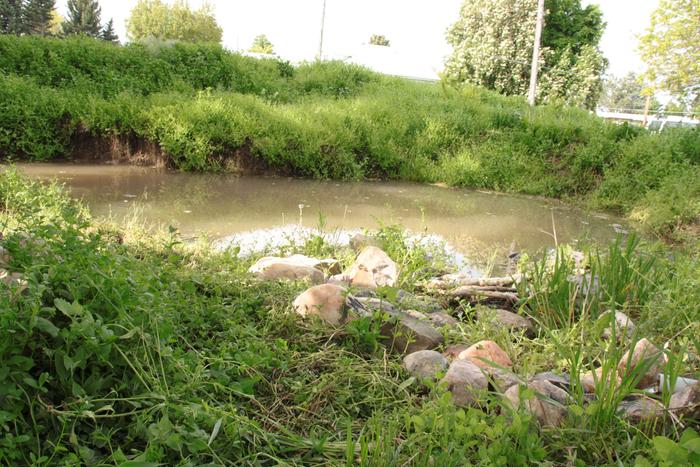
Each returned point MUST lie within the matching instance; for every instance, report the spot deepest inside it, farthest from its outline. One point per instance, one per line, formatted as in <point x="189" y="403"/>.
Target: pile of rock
<point x="413" y="322"/>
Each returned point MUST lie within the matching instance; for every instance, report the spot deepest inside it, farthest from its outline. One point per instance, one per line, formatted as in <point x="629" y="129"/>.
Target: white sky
<point x="416" y="29"/>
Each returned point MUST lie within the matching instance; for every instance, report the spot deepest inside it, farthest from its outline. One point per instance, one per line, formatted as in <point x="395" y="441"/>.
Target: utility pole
<point x="323" y="23"/>
<point x="536" y="53"/>
<point x="647" y="105"/>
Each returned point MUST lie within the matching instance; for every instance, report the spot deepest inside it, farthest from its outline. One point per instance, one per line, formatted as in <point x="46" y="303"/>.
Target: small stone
<point x="373" y="268"/>
<point x="644" y="351"/>
<point x="295" y="267"/>
<point x="502" y="379"/>
<point x="507" y="319"/>
<point x="547" y="405"/>
<point x="486" y="353"/>
<point x="327" y="301"/>
<point x="686" y="402"/>
<point x="588" y="380"/>
<point x="621" y="323"/>
<point x="4" y="257"/>
<point x="425" y="364"/>
<point x="466" y="382"/>
<point x="405" y="334"/>
<point x="640" y="409"/>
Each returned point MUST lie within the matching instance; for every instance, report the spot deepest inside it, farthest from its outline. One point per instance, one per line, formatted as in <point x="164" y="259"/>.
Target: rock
<point x="465" y="381"/>
<point x="588" y="286"/>
<point x="359" y="241"/>
<point x="376" y="304"/>
<point x="405" y="334"/>
<point x="644" y="353"/>
<point x="507" y="319"/>
<point x="486" y="353"/>
<point x="640" y="409"/>
<point x="453" y="351"/>
<point x="327" y="301"/>
<point x="621" y="323"/>
<point x="561" y="381"/>
<point x="547" y="405"/>
<point x="292" y="268"/>
<point x="442" y="319"/>
<point x="416" y="314"/>
<point x="4" y="257"/>
<point x="588" y="380"/>
<point x="502" y="379"/>
<point x="423" y="303"/>
<point x="373" y="268"/>
<point x="425" y="364"/>
<point x="686" y="402"/>
<point x="13" y="279"/>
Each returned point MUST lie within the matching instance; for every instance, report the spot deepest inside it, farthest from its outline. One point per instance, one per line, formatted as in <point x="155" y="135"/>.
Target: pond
<point x="222" y="205"/>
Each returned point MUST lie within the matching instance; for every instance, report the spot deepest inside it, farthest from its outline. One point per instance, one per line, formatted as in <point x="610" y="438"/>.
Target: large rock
<point x="485" y="354"/>
<point x="425" y="364"/>
<point x="621" y="325"/>
<point x="405" y="334"/>
<point x="644" y="355"/>
<point x="327" y="301"/>
<point x="292" y="268"/>
<point x="640" y="409"/>
<point x="686" y="401"/>
<point x="466" y="382"/>
<point x="547" y="405"/>
<point x="376" y="304"/>
<point x="561" y="381"/>
<point x="373" y="268"/>
<point x="593" y="379"/>
<point x="506" y="319"/>
<point x="442" y="319"/>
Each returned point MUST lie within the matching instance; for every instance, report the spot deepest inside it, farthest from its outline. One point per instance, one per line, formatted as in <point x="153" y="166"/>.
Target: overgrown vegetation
<point x="127" y="346"/>
<point x="205" y="107"/>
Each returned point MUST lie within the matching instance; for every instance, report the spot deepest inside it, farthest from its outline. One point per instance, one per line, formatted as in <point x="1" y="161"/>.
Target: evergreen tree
<point x="37" y="16"/>
<point x="83" y="18"/>
<point x="11" y="16"/>
<point x="108" y="32"/>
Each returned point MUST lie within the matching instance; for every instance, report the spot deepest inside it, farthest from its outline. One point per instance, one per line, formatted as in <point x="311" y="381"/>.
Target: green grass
<point x="204" y="106"/>
<point x="133" y="346"/>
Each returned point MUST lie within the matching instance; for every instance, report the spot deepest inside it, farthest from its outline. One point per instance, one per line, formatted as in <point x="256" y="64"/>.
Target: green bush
<point x="204" y="106"/>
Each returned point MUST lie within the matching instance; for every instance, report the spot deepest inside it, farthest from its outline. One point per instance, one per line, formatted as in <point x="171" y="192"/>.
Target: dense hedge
<point x="201" y="104"/>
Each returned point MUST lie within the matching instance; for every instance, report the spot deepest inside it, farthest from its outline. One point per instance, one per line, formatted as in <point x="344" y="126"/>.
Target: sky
<point x="416" y="29"/>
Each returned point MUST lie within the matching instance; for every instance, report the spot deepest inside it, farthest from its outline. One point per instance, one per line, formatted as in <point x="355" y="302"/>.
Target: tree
<point x="37" y="16"/>
<point x="261" y="45"/>
<point x="493" y="41"/>
<point x="570" y="26"/>
<point x="83" y="18"/>
<point x="156" y="19"/>
<point x="378" y="39"/>
<point x="56" y="23"/>
<point x="11" y="16"/>
<point x="108" y="33"/>
<point x="671" y="48"/>
<point x="625" y="94"/>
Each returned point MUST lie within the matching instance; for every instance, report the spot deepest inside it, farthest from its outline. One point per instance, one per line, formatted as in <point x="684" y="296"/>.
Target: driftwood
<point x="482" y="292"/>
<point x="449" y="281"/>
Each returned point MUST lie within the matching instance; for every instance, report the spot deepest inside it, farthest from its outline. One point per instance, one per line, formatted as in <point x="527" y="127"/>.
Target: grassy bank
<point x="128" y="346"/>
<point x="207" y="108"/>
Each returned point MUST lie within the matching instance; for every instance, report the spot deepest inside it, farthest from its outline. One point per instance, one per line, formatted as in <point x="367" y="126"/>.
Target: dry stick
<point x="450" y="280"/>
<point x="467" y="291"/>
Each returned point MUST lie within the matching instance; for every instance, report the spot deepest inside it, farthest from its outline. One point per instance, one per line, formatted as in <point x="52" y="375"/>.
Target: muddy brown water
<point x="222" y="205"/>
